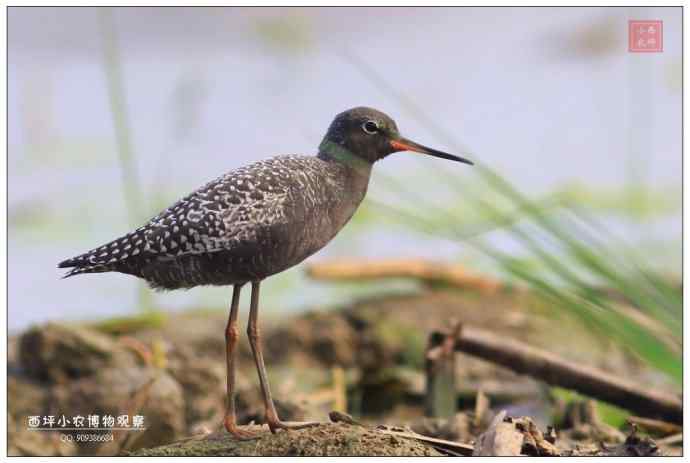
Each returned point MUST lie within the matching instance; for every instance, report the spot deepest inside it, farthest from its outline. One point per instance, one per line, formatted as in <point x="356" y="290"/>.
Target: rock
<point x="508" y="436"/>
<point x="535" y="443"/>
<point x="30" y="398"/>
<point x="144" y="391"/>
<point x="327" y="439"/>
<point x="328" y="339"/>
<point x="501" y="439"/>
<point x="58" y="353"/>
<point x="195" y="335"/>
<point x="22" y="442"/>
<point x="203" y="383"/>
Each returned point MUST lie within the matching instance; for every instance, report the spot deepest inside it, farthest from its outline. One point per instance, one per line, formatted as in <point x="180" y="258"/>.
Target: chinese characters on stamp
<point x="645" y="36"/>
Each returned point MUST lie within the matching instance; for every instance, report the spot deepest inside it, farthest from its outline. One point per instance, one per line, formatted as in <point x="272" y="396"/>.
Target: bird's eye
<point x="370" y="127"/>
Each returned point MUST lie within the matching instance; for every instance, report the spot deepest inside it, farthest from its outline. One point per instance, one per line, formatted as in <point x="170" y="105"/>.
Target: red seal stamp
<point x="645" y="36"/>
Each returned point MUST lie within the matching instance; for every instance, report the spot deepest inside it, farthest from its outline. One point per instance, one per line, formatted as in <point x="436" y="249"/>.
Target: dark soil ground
<point x="328" y="439"/>
<point x="366" y="359"/>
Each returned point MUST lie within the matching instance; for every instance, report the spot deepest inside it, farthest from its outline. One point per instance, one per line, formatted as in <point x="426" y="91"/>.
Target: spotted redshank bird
<point x="254" y="222"/>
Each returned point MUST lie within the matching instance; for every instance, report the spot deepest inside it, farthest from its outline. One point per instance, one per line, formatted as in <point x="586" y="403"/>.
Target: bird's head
<point x="370" y="135"/>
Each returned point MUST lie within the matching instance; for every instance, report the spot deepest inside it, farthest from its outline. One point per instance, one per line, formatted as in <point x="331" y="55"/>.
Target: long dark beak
<point x="403" y="144"/>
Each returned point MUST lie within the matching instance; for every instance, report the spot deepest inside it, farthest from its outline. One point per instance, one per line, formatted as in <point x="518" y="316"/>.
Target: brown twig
<point x="339" y="389"/>
<point x="671" y="440"/>
<point x="442" y="445"/>
<point x="557" y="371"/>
<point x="658" y="427"/>
<point x="482" y="405"/>
<point x="419" y="269"/>
<point x="441" y="390"/>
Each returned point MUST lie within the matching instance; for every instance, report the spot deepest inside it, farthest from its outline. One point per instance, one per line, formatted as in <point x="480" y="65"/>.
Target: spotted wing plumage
<point x="191" y="242"/>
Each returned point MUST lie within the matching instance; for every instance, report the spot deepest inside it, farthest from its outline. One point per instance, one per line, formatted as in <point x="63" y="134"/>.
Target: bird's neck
<point x="332" y="152"/>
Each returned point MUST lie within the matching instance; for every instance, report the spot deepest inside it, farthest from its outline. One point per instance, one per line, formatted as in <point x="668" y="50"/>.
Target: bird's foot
<point x="241" y="432"/>
<point x="275" y="425"/>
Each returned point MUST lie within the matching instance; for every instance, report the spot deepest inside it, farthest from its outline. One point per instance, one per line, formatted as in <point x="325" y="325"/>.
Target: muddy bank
<point x="328" y="439"/>
<point x="366" y="359"/>
<point x="505" y="437"/>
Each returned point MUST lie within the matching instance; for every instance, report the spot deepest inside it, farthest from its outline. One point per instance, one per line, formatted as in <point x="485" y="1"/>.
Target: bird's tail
<point x="85" y="263"/>
<point x="106" y="258"/>
<point x="79" y="269"/>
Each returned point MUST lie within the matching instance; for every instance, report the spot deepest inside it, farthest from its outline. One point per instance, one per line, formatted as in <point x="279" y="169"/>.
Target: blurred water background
<point x="548" y="97"/>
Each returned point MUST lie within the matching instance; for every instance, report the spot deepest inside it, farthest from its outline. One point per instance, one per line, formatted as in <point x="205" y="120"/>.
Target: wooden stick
<point x="555" y="370"/>
<point x="441" y="445"/>
<point x="658" y="427"/>
<point x="419" y="269"/>
<point x="671" y="440"/>
<point x="441" y="392"/>
<point x="339" y="389"/>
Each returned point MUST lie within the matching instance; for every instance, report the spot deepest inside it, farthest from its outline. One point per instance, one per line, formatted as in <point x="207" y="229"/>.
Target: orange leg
<point x="231" y="338"/>
<point x="274" y="423"/>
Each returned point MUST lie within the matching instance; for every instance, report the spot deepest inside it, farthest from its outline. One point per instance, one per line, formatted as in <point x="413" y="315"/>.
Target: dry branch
<point x="442" y="445"/>
<point x="419" y="269"/>
<point x="557" y="371"/>
<point x="441" y="390"/>
<point x="658" y="427"/>
<point x="671" y="440"/>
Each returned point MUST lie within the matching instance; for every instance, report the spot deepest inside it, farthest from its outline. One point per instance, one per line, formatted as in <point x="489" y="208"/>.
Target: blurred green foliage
<point x="568" y="250"/>
<point x="609" y="414"/>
